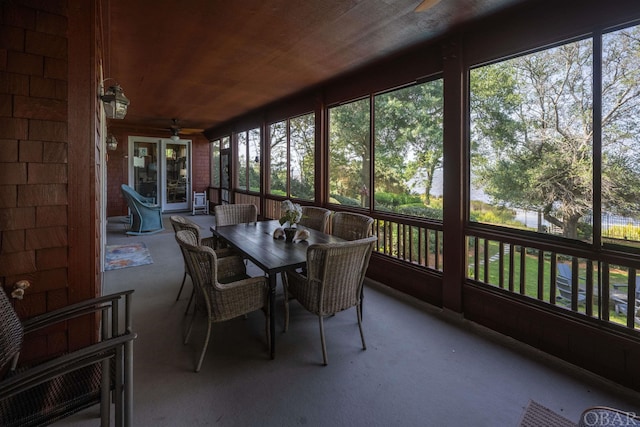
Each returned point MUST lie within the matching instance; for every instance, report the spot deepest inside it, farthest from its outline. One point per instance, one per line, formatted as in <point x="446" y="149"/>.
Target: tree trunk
<point x="570" y="229"/>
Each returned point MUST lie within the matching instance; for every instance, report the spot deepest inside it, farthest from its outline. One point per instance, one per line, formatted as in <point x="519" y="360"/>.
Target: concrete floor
<point x="421" y="367"/>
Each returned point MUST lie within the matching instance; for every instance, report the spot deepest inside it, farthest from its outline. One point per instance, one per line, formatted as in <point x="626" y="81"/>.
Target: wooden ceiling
<point x="207" y="61"/>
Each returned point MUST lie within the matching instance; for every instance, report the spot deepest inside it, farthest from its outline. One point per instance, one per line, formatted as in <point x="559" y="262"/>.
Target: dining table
<point x="256" y="242"/>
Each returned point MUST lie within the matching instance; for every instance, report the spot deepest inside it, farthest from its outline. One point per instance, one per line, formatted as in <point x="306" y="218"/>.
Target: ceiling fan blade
<point x="190" y="131"/>
<point x="176" y="129"/>
<point x="426" y="5"/>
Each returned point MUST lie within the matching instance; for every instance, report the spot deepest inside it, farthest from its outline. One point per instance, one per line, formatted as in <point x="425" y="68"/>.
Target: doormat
<point x="537" y="415"/>
<point x="123" y="256"/>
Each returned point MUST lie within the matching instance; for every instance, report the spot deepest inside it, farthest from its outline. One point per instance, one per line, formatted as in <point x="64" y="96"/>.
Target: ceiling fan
<point x="176" y="130"/>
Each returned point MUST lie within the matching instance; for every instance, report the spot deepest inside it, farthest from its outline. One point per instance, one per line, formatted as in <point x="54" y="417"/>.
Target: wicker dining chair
<point x="334" y="280"/>
<point x="224" y="291"/>
<point x="351" y="226"/>
<point x="233" y="214"/>
<point x="315" y="217"/>
<point x="312" y="217"/>
<point x="181" y="223"/>
<point x="53" y="389"/>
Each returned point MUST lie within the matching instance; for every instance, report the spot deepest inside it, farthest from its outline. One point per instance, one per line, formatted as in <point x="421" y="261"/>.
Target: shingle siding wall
<point x="33" y="152"/>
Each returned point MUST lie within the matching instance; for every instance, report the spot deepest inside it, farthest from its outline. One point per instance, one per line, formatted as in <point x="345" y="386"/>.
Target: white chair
<point x="200" y="203"/>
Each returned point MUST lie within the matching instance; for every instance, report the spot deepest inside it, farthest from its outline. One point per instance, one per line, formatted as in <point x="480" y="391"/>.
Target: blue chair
<point x="564" y="284"/>
<point x="619" y="299"/>
<point x="146" y="216"/>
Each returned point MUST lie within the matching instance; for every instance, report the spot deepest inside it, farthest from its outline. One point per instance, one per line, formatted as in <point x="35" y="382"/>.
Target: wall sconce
<point x="115" y="103"/>
<point x="112" y="143"/>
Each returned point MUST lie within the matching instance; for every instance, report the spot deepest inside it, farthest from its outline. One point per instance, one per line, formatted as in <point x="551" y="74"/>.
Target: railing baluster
<point x="421" y="241"/>
<point x="396" y="243"/>
<point x="523" y="269"/>
<point x="631" y="298"/>
<point x="437" y="250"/>
<point x="589" y="290"/>
<point x="511" y="264"/>
<point x="486" y="260"/>
<point x="603" y="306"/>
<point x="404" y="241"/>
<point x="476" y="258"/>
<point x="501" y="265"/>
<point x="574" y="284"/>
<point x="427" y="243"/>
<point x="552" y="279"/>
<point x="385" y="237"/>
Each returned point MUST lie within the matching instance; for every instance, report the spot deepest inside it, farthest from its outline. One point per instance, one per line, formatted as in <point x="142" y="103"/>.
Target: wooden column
<point x="454" y="167"/>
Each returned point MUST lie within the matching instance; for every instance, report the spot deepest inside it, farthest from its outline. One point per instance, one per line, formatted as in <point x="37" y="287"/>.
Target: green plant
<point x="343" y="200"/>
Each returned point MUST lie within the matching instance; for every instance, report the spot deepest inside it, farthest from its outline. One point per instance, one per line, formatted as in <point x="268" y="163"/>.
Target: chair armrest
<point x="151" y="200"/>
<point x="250" y="281"/>
<point x="74" y="310"/>
<point x="294" y="276"/>
<point x="149" y="206"/>
<point x="209" y="242"/>
<point x="78" y="359"/>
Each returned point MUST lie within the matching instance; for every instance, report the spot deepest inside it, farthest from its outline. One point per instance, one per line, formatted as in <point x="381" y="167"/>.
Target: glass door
<point x="177" y="182"/>
<point x="161" y="169"/>
<point x="145" y="167"/>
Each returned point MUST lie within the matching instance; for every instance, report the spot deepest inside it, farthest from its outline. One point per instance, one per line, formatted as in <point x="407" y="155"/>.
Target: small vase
<point x="289" y="232"/>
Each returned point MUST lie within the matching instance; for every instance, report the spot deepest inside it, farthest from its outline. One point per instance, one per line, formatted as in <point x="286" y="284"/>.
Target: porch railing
<point x="571" y="278"/>
<point x="403" y="239"/>
<point x="576" y="282"/>
<point x="415" y="243"/>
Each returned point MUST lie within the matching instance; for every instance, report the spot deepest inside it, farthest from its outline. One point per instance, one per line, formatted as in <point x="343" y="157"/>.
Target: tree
<point x="350" y="160"/>
<point x="409" y="134"/>
<point x="277" y="171"/>
<point x="532" y="130"/>
<point x="302" y="152"/>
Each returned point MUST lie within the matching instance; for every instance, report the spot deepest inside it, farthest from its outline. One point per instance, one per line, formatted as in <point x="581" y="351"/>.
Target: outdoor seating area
<point x="199" y="251"/>
<point x="329" y="266"/>
<point x="237" y="373"/>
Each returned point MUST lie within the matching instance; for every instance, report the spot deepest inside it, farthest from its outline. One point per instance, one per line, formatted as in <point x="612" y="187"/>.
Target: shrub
<point x="420" y="210"/>
<point x="343" y="200"/>
<point x="626" y="232"/>
<point x="388" y="200"/>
